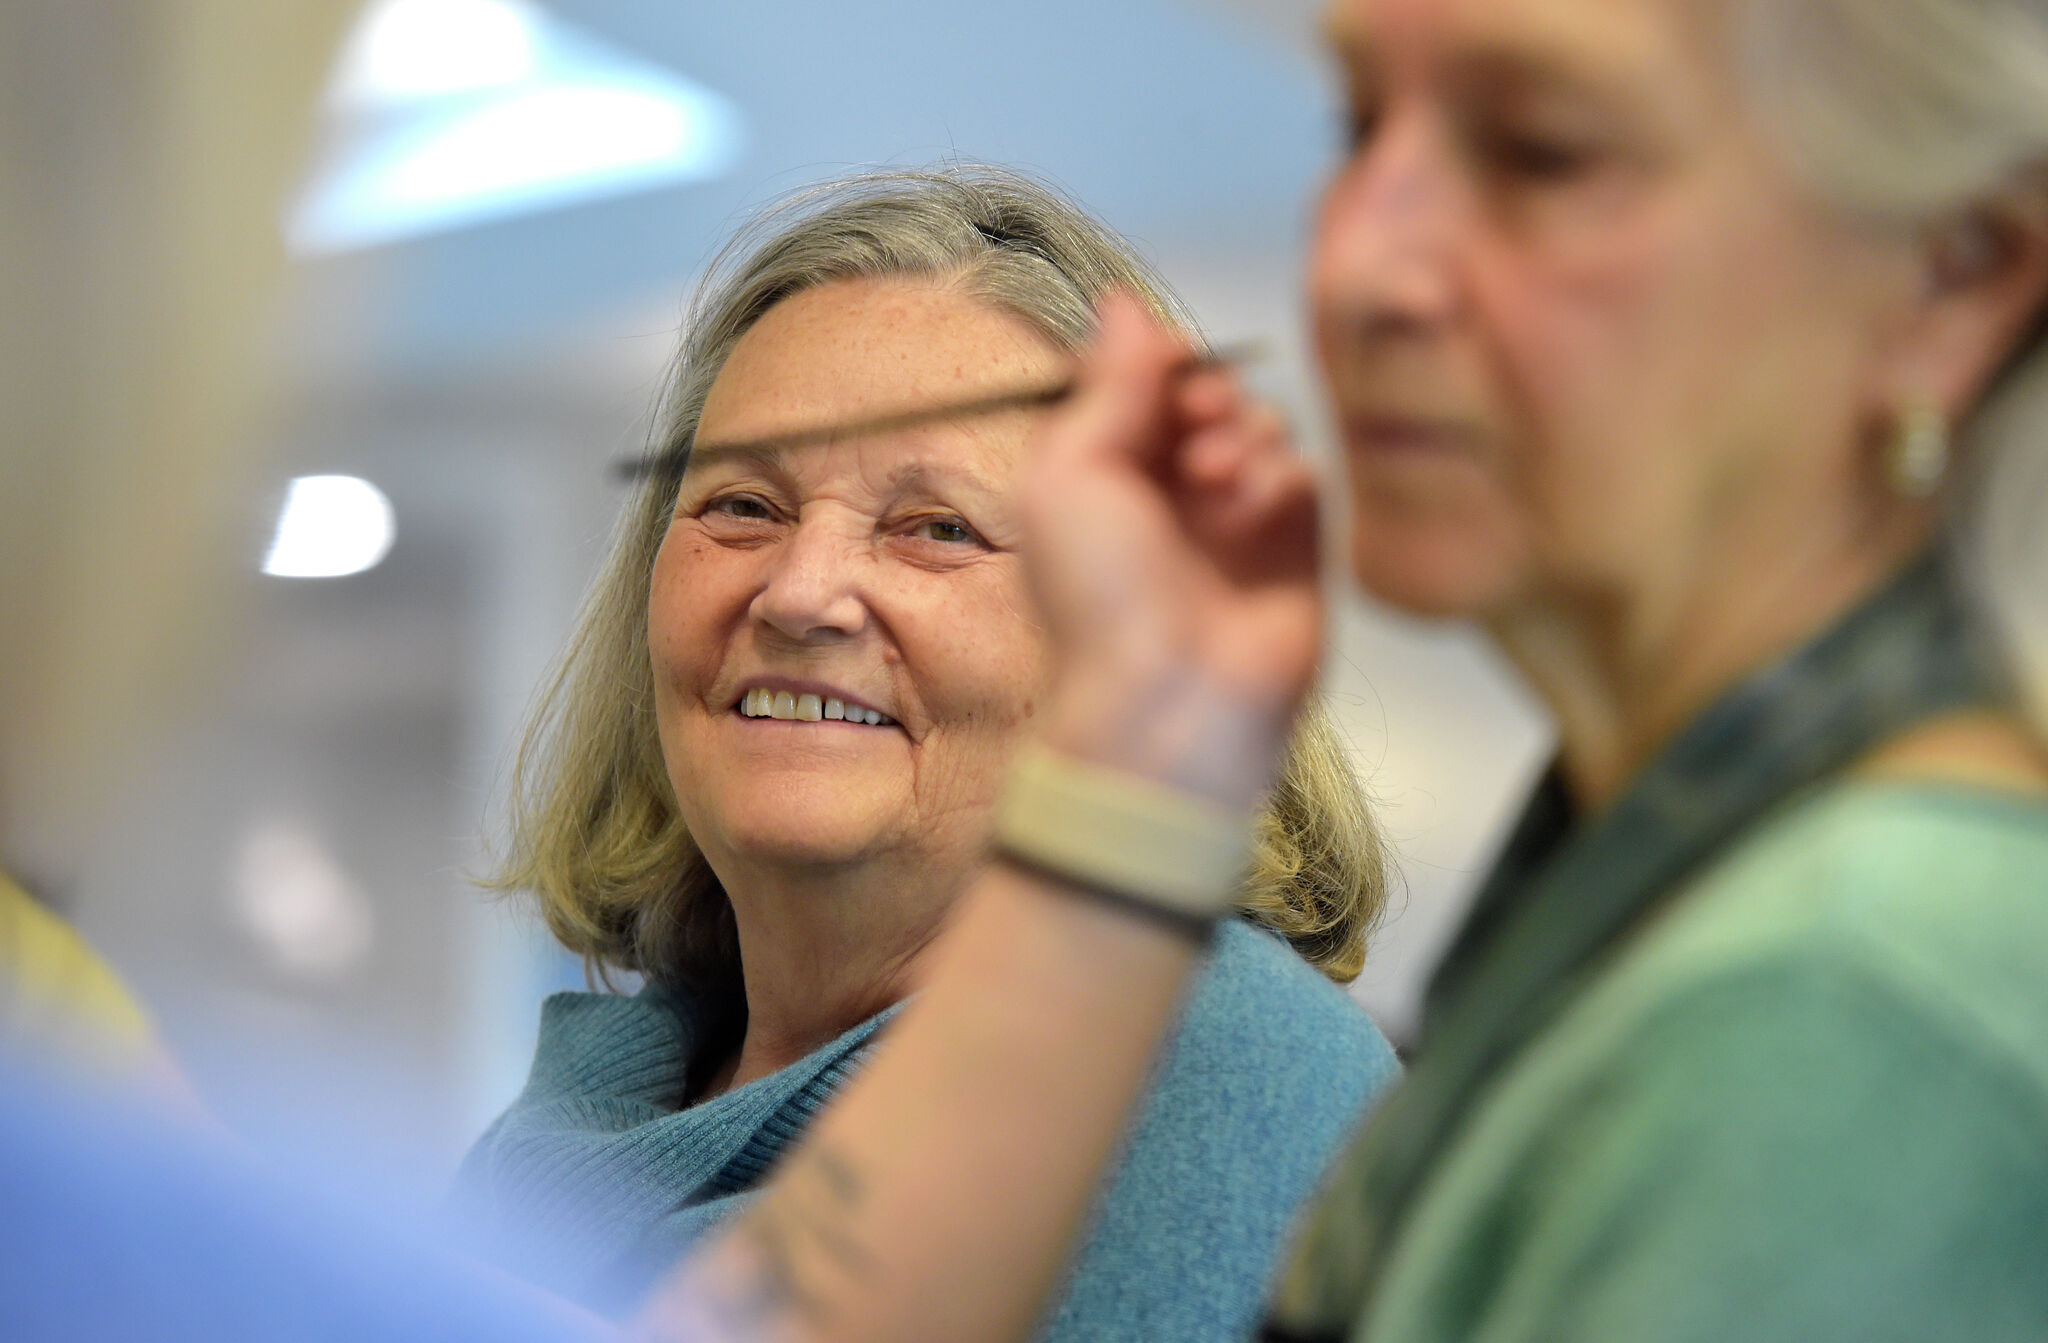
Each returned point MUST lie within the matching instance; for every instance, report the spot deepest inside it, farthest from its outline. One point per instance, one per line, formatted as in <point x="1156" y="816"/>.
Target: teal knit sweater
<point x="593" y="1181"/>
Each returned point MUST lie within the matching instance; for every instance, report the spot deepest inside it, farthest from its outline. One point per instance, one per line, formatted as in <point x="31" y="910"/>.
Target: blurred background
<point x="490" y="250"/>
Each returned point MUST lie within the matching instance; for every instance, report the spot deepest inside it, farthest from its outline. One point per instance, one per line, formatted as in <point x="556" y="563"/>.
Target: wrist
<point x="1129" y="839"/>
<point x="1173" y="727"/>
<point x="1194" y="928"/>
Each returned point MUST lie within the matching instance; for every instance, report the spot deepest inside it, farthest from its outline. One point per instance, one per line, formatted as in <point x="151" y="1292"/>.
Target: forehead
<point x="858" y="348"/>
<point x="1658" y="38"/>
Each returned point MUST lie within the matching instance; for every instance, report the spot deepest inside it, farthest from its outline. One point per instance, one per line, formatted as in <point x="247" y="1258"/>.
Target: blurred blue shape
<point x="454" y="112"/>
<point x="115" y="1226"/>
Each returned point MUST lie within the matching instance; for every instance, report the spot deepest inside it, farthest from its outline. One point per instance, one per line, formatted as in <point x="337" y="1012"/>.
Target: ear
<point x="1984" y="285"/>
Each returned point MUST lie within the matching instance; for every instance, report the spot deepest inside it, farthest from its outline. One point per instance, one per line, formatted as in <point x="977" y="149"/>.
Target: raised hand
<point x="1171" y="542"/>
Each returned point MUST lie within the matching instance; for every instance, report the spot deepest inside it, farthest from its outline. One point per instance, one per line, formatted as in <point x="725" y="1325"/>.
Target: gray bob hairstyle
<point x="595" y="833"/>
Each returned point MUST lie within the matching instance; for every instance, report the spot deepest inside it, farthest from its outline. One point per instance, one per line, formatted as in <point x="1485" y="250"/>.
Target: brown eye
<point x="738" y="506"/>
<point x="948" y="529"/>
<point x="736" y="516"/>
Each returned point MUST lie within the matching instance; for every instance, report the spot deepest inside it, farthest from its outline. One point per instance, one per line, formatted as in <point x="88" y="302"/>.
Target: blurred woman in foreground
<point x="770" y="763"/>
<point x="1668" y="340"/>
<point x="1696" y="350"/>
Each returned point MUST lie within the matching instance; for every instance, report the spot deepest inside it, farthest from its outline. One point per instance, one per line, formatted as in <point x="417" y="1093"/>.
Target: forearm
<point x="941" y="1194"/>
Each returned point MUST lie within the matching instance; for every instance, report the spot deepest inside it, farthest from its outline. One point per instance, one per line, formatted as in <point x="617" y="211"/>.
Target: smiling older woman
<point x="769" y="768"/>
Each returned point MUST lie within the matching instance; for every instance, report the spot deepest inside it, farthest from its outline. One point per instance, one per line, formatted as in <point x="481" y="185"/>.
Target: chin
<point x="1431" y="570"/>
<point x="805" y="837"/>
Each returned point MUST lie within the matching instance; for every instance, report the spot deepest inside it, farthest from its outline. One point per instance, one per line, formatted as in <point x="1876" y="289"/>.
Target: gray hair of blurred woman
<point x="595" y="833"/>
<point x="1913" y="114"/>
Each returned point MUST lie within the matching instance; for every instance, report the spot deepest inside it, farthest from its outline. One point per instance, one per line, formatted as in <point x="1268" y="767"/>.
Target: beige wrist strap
<point x="1123" y="835"/>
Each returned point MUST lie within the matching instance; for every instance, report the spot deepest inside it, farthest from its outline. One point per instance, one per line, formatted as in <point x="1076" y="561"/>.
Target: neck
<point x="824" y="948"/>
<point x="1625" y="671"/>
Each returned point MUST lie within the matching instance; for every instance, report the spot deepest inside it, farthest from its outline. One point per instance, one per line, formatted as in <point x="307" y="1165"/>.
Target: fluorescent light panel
<point x="454" y="112"/>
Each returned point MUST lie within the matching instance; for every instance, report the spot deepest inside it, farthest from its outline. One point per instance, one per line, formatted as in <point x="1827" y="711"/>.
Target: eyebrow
<point x="913" y="478"/>
<point x="675" y="460"/>
<point x="926" y="478"/>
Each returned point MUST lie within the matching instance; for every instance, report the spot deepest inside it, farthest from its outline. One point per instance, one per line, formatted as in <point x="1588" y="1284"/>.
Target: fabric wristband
<point x="1122" y="834"/>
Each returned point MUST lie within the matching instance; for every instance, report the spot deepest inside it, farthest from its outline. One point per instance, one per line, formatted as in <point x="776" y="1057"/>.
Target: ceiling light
<point x="330" y="526"/>
<point x="404" y="50"/>
<point x="447" y="113"/>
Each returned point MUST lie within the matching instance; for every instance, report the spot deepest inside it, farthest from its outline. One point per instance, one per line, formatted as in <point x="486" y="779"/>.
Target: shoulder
<point x="1870" y="920"/>
<point x="1830" y="1052"/>
<point x="1877" y="841"/>
<point x="1933" y="898"/>
<point x="1259" y="1007"/>
<point x="1270" y="1068"/>
<point x="1783" y="1151"/>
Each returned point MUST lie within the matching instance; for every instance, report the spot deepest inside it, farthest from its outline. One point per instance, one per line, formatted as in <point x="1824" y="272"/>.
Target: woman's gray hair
<point x="595" y="833"/>
<point x="1912" y="113"/>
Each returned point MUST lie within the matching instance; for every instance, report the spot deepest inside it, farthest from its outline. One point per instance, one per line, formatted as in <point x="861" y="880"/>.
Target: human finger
<point x="1208" y="393"/>
<point x="1268" y="514"/>
<point x="1119" y="410"/>
<point x="1212" y="456"/>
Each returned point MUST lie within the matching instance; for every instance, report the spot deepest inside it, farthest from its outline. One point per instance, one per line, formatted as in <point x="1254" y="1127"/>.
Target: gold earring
<point x="1917" y="457"/>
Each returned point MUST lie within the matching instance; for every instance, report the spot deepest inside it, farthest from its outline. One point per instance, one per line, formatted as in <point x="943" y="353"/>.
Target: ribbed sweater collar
<point x="596" y="1149"/>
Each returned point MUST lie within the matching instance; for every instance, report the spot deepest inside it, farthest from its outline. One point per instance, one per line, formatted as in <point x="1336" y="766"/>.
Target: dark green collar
<point x="1566" y="893"/>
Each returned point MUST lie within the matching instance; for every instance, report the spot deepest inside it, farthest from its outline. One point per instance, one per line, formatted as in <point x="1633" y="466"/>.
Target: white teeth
<point x="762" y="702"/>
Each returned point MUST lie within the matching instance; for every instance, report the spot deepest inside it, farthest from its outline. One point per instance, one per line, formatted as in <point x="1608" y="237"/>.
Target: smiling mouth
<point x="762" y="702"/>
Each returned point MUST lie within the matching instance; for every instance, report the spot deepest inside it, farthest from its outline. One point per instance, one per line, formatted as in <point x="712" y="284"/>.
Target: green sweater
<point x="1810" y="1104"/>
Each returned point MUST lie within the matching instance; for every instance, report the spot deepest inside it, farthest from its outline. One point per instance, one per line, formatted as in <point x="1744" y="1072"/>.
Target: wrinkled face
<point x="1582" y="330"/>
<point x="843" y="648"/>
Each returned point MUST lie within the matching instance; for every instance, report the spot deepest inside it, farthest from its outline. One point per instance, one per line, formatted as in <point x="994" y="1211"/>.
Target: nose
<point x="1388" y="232"/>
<point x="811" y="592"/>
